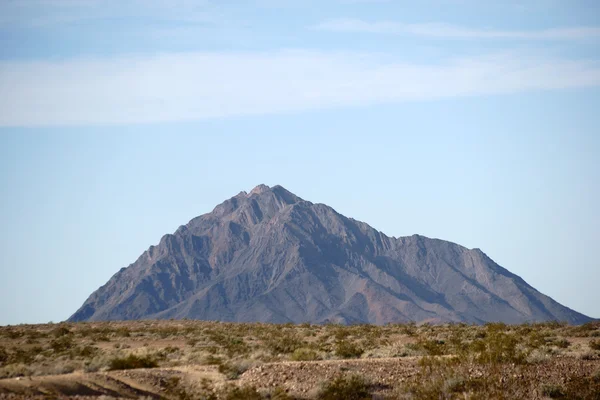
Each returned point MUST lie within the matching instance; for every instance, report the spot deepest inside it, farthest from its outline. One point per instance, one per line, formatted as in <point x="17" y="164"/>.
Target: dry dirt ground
<point x="208" y="360"/>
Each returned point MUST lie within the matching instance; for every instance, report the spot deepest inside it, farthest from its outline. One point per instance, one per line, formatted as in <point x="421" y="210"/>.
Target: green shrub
<point x="498" y="347"/>
<point x="232" y="370"/>
<point x="346" y="349"/>
<point x="283" y="344"/>
<point x="304" y="354"/>
<point x="132" y="362"/>
<point x="434" y="347"/>
<point x="345" y="388"/>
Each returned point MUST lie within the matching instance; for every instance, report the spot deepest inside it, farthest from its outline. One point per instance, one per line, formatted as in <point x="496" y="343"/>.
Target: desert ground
<point x="213" y="360"/>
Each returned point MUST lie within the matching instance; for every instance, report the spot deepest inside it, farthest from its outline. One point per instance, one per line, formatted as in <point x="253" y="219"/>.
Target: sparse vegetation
<point x="428" y="361"/>
<point x="345" y="388"/>
<point x="132" y="362"/>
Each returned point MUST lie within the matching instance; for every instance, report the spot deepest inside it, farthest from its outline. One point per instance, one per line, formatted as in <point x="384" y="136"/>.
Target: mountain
<point x="270" y="256"/>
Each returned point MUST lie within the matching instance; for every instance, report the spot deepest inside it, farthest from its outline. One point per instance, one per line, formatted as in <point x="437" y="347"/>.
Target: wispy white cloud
<point x="453" y="31"/>
<point x="194" y="86"/>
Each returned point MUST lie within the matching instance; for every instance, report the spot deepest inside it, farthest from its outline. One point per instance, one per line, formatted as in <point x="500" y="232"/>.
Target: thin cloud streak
<point x="196" y="86"/>
<point x="452" y="31"/>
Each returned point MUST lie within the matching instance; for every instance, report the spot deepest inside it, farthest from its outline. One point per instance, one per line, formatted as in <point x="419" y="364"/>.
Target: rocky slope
<point x="271" y="256"/>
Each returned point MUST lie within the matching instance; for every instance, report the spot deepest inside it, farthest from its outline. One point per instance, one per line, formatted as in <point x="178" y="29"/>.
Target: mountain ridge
<point x="271" y="256"/>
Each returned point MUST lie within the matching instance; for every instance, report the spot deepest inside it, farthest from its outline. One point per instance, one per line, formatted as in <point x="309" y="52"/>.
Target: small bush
<point x="588" y="356"/>
<point x="434" y="347"/>
<point x="84" y="352"/>
<point x="595" y="344"/>
<point x="243" y="393"/>
<point x="132" y="362"/>
<point x="280" y="394"/>
<point x="562" y="343"/>
<point x="583" y="388"/>
<point x="62" y="343"/>
<point x="232" y="370"/>
<point x="346" y="349"/>
<point x="285" y="344"/>
<point x="212" y="360"/>
<point x="498" y="347"/>
<point x="304" y="354"/>
<point x="123" y="332"/>
<point x="60" y="331"/>
<point x="24" y="356"/>
<point x="3" y="355"/>
<point x="345" y="388"/>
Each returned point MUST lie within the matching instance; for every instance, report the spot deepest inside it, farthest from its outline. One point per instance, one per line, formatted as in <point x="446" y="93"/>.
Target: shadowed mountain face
<point x="270" y="256"/>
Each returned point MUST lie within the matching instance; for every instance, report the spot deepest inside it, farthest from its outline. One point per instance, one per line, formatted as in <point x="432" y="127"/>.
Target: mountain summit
<point x="270" y="256"/>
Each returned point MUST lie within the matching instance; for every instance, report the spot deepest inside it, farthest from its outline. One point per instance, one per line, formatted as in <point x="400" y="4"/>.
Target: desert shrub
<point x="12" y="333"/>
<point x="279" y="394"/>
<point x="583" y="387"/>
<point x="233" y="346"/>
<point x="341" y="332"/>
<point x="535" y="340"/>
<point x="3" y="355"/>
<point x="412" y="349"/>
<point x="409" y="329"/>
<point x="562" y="343"/>
<point x="14" y="370"/>
<point x="588" y="356"/>
<point x="284" y="344"/>
<point x="60" y="331"/>
<point x="440" y="378"/>
<point x="167" y="331"/>
<point x="433" y="347"/>
<point x="553" y="391"/>
<point x="595" y="344"/>
<point x="212" y="360"/>
<point x="84" y="351"/>
<point x="178" y="391"/>
<point x="59" y="368"/>
<point x="498" y="347"/>
<point x="123" y="332"/>
<point x="132" y="362"/>
<point x="23" y="355"/>
<point x="62" y="343"/>
<point x="345" y="388"/>
<point x="232" y="370"/>
<point x="345" y="349"/>
<point x="586" y="330"/>
<point x="241" y="393"/>
<point x="538" y="356"/>
<point x="304" y="354"/>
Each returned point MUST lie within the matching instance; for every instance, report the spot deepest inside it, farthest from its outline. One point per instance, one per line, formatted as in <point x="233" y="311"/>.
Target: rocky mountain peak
<point x="259" y="189"/>
<point x="271" y="256"/>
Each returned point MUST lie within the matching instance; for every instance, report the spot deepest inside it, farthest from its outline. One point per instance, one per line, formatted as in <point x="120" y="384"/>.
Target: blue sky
<point x="470" y="121"/>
